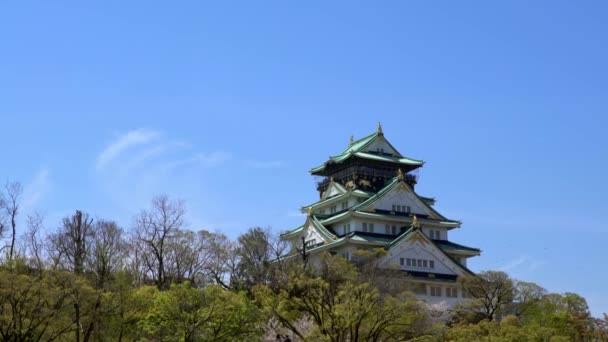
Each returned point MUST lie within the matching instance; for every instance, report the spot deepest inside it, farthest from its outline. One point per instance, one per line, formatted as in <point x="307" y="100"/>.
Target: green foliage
<point x="187" y="314"/>
<point x="342" y="307"/>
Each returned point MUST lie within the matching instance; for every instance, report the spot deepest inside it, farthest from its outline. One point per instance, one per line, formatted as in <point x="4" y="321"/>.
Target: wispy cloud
<point x="36" y="188"/>
<point x="522" y="263"/>
<point x="514" y="263"/>
<point x="124" y="142"/>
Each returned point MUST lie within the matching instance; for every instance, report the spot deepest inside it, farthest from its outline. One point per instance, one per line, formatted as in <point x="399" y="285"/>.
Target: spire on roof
<point x="352" y="140"/>
<point x="415" y="223"/>
<point x="400" y="174"/>
<point x="379" y="128"/>
<point x="310" y="211"/>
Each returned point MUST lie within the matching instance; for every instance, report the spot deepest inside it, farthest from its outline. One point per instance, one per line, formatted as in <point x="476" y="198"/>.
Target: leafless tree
<point x="71" y="244"/>
<point x="33" y="242"/>
<point x="188" y="253"/>
<point x="9" y="205"/>
<point x="155" y="228"/>
<point x="108" y="250"/>
<point x="223" y="264"/>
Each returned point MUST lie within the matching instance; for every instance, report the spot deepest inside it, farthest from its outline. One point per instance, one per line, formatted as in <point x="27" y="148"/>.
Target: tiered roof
<point x="369" y="209"/>
<point x="356" y="149"/>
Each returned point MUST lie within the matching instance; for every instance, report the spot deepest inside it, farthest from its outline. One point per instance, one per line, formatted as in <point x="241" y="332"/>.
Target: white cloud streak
<point x="36" y="188"/>
<point x="124" y="142"/>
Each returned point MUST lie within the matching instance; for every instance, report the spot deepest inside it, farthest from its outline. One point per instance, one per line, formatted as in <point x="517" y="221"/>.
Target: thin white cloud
<point x="513" y="264"/>
<point x="522" y="263"/>
<point x="36" y="189"/>
<point x="124" y="142"/>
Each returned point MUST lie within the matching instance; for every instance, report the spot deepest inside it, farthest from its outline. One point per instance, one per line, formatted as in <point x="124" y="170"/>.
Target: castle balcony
<point x="372" y="175"/>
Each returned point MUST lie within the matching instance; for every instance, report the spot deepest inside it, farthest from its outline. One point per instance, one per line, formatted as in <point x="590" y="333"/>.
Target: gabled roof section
<point x="414" y="233"/>
<point x="395" y="184"/>
<point x="360" y="148"/>
<point x="313" y="222"/>
<point x="333" y="189"/>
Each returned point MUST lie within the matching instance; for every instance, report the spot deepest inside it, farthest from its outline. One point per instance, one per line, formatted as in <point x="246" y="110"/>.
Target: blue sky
<point x="228" y="105"/>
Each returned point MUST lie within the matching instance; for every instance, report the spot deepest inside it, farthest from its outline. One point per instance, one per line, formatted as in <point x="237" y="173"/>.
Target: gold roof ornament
<point x="400" y="175"/>
<point x="415" y="223"/>
<point x="379" y="128"/>
<point x="309" y="211"/>
<point x="352" y="140"/>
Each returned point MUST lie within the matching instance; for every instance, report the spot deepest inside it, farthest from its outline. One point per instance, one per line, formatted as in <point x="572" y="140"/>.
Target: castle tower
<point x="367" y="200"/>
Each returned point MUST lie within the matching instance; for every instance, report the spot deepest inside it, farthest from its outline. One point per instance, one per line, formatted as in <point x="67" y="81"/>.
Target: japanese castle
<point x="367" y="200"/>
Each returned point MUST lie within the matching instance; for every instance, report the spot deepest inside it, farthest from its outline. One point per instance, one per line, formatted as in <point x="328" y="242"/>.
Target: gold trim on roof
<point x="400" y="175"/>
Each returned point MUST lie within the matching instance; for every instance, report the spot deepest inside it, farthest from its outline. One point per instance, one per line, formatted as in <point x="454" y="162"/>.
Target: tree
<point x="154" y="228"/>
<point x="9" y="205"/>
<point x="33" y="308"/>
<point x="491" y="293"/>
<point x="33" y="242"/>
<point x="108" y="251"/>
<point x="527" y="295"/>
<point x="223" y="265"/>
<point x="188" y="314"/>
<point x="342" y="307"/>
<point x="71" y="243"/>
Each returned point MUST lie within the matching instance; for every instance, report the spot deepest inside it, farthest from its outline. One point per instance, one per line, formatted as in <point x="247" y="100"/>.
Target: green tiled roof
<point x="371" y="237"/>
<point x="392" y="184"/>
<point x="356" y="149"/>
<point x="449" y="246"/>
<point x="293" y="231"/>
<point x="356" y="193"/>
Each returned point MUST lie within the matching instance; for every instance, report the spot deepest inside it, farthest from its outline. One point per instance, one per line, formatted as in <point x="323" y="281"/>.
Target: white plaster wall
<point x="311" y="233"/>
<point x="417" y="250"/>
<point x="331" y="191"/>
<point x="443" y="233"/>
<point x="398" y="196"/>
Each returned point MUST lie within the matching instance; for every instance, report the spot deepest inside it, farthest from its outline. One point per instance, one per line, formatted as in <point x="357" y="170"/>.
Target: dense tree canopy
<point x="90" y="279"/>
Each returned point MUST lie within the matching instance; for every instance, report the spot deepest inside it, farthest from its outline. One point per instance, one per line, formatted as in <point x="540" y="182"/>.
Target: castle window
<point x="371" y="227"/>
<point x="401" y="261"/>
<point x="346" y="228"/>
<point x="409" y="262"/>
<point x="451" y="292"/>
<point x="387" y="229"/>
<point x="365" y="226"/>
<point x="394" y="230"/>
<point x="344" y="205"/>
<point x="435" y="291"/>
<point x="432" y="234"/>
<point x="431" y="264"/>
<point x="333" y="209"/>
<point x="310" y="243"/>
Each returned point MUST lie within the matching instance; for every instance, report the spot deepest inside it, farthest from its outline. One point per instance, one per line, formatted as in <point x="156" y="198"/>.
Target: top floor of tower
<point x="366" y="164"/>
